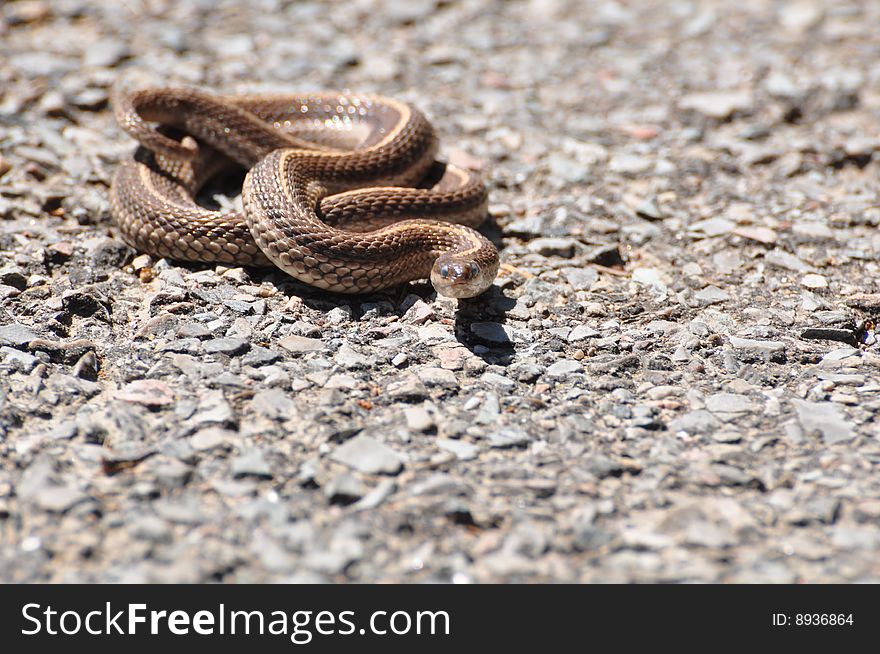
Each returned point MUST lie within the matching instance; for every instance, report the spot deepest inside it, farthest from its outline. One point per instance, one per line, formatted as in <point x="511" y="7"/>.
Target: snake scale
<point x="342" y="191"/>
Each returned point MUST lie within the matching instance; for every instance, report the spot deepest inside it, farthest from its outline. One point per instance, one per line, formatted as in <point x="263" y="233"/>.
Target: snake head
<point x="460" y="277"/>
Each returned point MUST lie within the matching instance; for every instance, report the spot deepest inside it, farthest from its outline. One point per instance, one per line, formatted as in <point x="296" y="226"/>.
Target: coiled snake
<point x="342" y="191"/>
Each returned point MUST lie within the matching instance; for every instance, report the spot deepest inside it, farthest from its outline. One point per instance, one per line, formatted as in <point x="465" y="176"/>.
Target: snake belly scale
<point x="342" y="192"/>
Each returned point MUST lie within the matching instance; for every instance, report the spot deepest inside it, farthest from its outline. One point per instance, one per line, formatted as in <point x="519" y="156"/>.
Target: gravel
<point x="674" y="379"/>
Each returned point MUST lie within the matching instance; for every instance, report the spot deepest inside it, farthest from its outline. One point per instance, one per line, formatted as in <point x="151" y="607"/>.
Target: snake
<point x="342" y="191"/>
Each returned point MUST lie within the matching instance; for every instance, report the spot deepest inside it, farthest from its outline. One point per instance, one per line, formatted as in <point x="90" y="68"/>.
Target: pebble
<point x="462" y="450"/>
<point x="20" y="360"/>
<point x="564" y="368"/>
<point x="582" y="332"/>
<point x="509" y="437"/>
<point x="729" y="403"/>
<point x="408" y="389"/>
<point x="418" y="419"/>
<point x="58" y="499"/>
<point x="554" y="247"/>
<point x="719" y="105"/>
<point x="492" y="332"/>
<point x="251" y="463"/>
<point x="301" y="344"/>
<point x="814" y="281"/>
<point x="760" y="234"/>
<point x="711" y="295"/>
<point x="713" y="227"/>
<point x="581" y="279"/>
<point x="344" y="489"/>
<point x="350" y="359"/>
<point x="227" y="346"/>
<point x="212" y="438"/>
<point x="105" y="53"/>
<point x="274" y="403"/>
<point x="369" y="456"/>
<point x="785" y="260"/>
<point x="148" y="392"/>
<point x="756" y="345"/>
<point x="629" y="164"/>
<point x="437" y="377"/>
<point x="259" y="356"/>
<point x="16" y="335"/>
<point x="825" y="419"/>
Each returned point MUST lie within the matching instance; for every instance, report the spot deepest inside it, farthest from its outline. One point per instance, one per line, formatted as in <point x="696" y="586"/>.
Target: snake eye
<point x="474" y="270"/>
<point x="444" y="271"/>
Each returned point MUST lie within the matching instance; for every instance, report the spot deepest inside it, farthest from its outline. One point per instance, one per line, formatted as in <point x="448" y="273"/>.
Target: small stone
<point x="567" y="169"/>
<point x="760" y="234"/>
<point x="383" y="490"/>
<point x="799" y="17"/>
<point x="148" y="392"/>
<point x="58" y="499"/>
<point x="491" y="332"/>
<point x="19" y="360"/>
<point x="435" y="333"/>
<point x="581" y="279"/>
<point x="418" y="419"/>
<point x="251" y="464"/>
<point x="227" y="346"/>
<point x="344" y="489"/>
<point x="183" y="346"/>
<point x="213" y="409"/>
<point x="729" y="403"/>
<point x="582" y="332"/>
<point x="711" y="295"/>
<point x="553" y="247"/>
<point x="437" y="377"/>
<point x="712" y="227"/>
<point x="629" y="164"/>
<point x="814" y="281"/>
<point x="564" y="368"/>
<point x="410" y="389"/>
<point x="719" y="105"/>
<point x="454" y="358"/>
<point x="13" y="276"/>
<point x="27" y="11"/>
<point x="301" y="344"/>
<point x="366" y="454"/>
<point x="864" y="301"/>
<point x="90" y="99"/>
<point x="16" y="335"/>
<point x="509" y="437"/>
<point x="273" y="403"/>
<point x="105" y="53"/>
<point x="649" y="277"/>
<point x="212" y="438"/>
<point x="462" y="450"/>
<point x="782" y="259"/>
<point x="756" y="345"/>
<point x="350" y="359"/>
<point x="419" y="313"/>
<point x="150" y="528"/>
<point x="339" y="315"/>
<point x="259" y="356"/>
<point x="86" y="367"/>
<point x="499" y="382"/>
<point x="694" y="422"/>
<point x="192" y="330"/>
<point x="824" y="418"/>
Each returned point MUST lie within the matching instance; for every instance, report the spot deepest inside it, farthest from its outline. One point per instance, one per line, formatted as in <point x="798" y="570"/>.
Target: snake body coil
<point x="342" y="192"/>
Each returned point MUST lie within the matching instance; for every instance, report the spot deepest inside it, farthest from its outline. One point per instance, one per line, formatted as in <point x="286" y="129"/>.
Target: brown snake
<point x="342" y="191"/>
